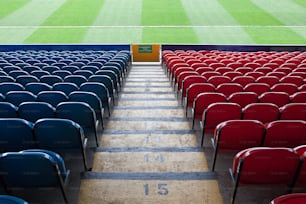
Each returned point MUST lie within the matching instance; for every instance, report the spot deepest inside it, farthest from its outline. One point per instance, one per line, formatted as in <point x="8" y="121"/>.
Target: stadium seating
<point x="293" y="198"/>
<point x="216" y="113"/>
<point x="50" y="168"/>
<point x="263" y="112"/>
<point x="280" y="167"/>
<point x="80" y="113"/>
<point x="61" y="136"/>
<point x="32" y="111"/>
<point x="293" y="111"/>
<point x="52" y="97"/>
<point x="236" y="135"/>
<point x="277" y="98"/>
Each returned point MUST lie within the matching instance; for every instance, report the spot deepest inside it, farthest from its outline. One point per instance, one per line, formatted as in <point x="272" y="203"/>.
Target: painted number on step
<point x="161" y="189"/>
<point x="151" y="158"/>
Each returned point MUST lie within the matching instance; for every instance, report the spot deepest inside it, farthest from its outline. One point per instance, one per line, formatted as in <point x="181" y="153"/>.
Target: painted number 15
<point x="161" y="187"/>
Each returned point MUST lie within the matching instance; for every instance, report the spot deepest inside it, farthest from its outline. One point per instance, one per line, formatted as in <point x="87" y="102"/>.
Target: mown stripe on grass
<point x="72" y="13"/>
<point x="9" y="6"/>
<point x="301" y="2"/>
<point x="170" y="12"/>
<point x="247" y="13"/>
<point x="120" y="13"/>
<point x="286" y="11"/>
<point x="207" y="12"/>
<point x="26" y="17"/>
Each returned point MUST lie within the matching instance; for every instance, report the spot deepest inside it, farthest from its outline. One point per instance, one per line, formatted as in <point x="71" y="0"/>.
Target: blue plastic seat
<point x="76" y="79"/>
<point x="107" y="81"/>
<point x="93" y="69"/>
<point x="30" y="68"/>
<point x="10" y="68"/>
<point x="84" y="73"/>
<point x="37" y="87"/>
<point x="2" y="97"/>
<point x="61" y="136"/>
<point x="7" y="199"/>
<point x="50" y="68"/>
<point x="25" y="79"/>
<point x="101" y="91"/>
<point x="70" y="68"/>
<point x="80" y="113"/>
<point x="61" y="73"/>
<point x="52" y="97"/>
<point x="91" y="99"/>
<point x="18" y="97"/>
<point x="32" y="111"/>
<point x="51" y="79"/>
<point x="7" y="78"/>
<point x="39" y="73"/>
<point x="65" y="87"/>
<point x="49" y="168"/>
<point x="5" y="87"/>
<point x="113" y="76"/>
<point x="8" y="110"/>
<point x="16" y="134"/>
<point x="17" y="73"/>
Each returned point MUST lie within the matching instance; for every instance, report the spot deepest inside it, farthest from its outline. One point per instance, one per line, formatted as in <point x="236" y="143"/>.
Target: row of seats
<point x="236" y="94"/>
<point x="269" y="166"/>
<point x="79" y="112"/>
<point x="242" y="84"/>
<point x="33" y="168"/>
<point x="237" y="135"/>
<point x="54" y="95"/>
<point x="264" y="112"/>
<point x="206" y="105"/>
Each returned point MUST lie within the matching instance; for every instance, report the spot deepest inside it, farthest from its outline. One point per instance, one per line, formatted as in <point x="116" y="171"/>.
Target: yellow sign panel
<point x="146" y="53"/>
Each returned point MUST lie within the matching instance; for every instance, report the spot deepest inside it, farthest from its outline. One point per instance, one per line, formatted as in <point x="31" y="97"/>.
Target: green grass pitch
<point x="147" y="21"/>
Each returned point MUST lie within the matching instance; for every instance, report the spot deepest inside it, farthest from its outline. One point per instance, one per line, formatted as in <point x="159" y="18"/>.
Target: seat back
<point x="243" y="98"/>
<point x="8" y="110"/>
<point x="285" y="87"/>
<point x="5" y="87"/>
<point x="18" y="97"/>
<point x="51" y="79"/>
<point x="293" y="198"/>
<point x="298" y="97"/>
<point x="32" y="111"/>
<point x="66" y="87"/>
<point x="7" y="199"/>
<point x="219" y="112"/>
<point x="257" y="88"/>
<point x="293" y="111"/>
<point x="229" y="88"/>
<point x="16" y="134"/>
<point x="264" y="112"/>
<point x="52" y="97"/>
<point x="277" y="98"/>
<point x="75" y="79"/>
<point x="285" y="133"/>
<point x="37" y="87"/>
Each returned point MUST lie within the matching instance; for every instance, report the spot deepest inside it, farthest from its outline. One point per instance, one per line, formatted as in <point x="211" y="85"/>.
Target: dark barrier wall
<point x="63" y="47"/>
<point x="241" y="48"/>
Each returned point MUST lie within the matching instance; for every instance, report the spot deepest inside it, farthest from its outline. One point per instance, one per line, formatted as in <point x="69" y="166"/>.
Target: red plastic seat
<point x="258" y="88"/>
<point x="271" y="65"/>
<point x="297" y="80"/>
<point x="285" y="133"/>
<point x="223" y="70"/>
<point x="302" y="88"/>
<point x="202" y="101"/>
<point x="300" y="74"/>
<point x="243" y="98"/>
<point x="243" y="80"/>
<point x="277" y="98"/>
<point x="216" y="65"/>
<point x="293" y="111"/>
<point x="228" y="88"/>
<point x="244" y="70"/>
<point x="234" y="65"/>
<point x="252" y="65"/>
<point x="202" y="70"/>
<point x="178" y="71"/>
<point x="264" y="70"/>
<point x="216" y="113"/>
<point x="263" y="112"/>
<point x="294" y="198"/>
<point x="255" y="74"/>
<point x="298" y="97"/>
<point x="285" y="70"/>
<point x="180" y="78"/>
<point x="271" y="80"/>
<point x="264" y="166"/>
<point x="194" y="90"/>
<point x="217" y="80"/>
<point x="232" y="74"/>
<point x="209" y="74"/>
<point x="285" y="87"/>
<point x="279" y="75"/>
<point x="236" y="135"/>
<point x="189" y="81"/>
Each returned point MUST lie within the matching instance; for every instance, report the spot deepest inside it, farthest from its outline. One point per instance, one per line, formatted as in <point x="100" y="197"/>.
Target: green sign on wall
<point x="145" y="48"/>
